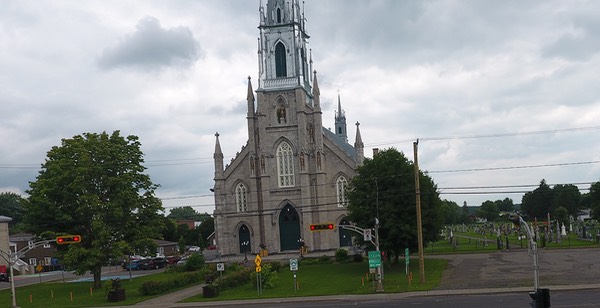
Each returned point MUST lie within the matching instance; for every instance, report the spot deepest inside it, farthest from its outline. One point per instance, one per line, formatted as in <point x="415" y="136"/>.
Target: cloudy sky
<point x="501" y="94"/>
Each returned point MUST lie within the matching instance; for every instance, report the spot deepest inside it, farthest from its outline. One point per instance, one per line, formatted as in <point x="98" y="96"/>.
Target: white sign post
<point x="220" y="269"/>
<point x="294" y="268"/>
<point x="367" y="235"/>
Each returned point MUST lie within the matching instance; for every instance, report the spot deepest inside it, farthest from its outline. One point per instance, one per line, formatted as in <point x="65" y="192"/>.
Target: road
<point x="564" y="299"/>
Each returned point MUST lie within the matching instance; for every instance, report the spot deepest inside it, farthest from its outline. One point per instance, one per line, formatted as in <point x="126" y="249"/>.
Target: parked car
<point x="153" y="263"/>
<point x="173" y="259"/>
<point x="133" y="265"/>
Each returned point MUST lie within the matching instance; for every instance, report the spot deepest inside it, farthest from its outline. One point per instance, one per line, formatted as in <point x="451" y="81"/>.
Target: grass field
<point x="470" y="242"/>
<point x="343" y="278"/>
<point x="76" y="294"/>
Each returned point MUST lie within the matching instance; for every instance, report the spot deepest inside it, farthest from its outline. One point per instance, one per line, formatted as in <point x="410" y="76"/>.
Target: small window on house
<point x="48" y="260"/>
<point x="280" y="61"/>
<point x="241" y="198"/>
<point x="341" y="185"/>
<point x="30" y="244"/>
<point x="33" y="261"/>
<point x="47" y="245"/>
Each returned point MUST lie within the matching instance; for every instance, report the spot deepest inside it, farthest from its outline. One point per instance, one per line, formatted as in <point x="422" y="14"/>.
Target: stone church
<point x="292" y="172"/>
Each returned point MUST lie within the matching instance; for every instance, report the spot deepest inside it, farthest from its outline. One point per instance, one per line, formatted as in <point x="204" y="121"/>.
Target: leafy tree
<point x="538" y="203"/>
<point x="452" y="213"/>
<point x="489" y="210"/>
<point x="384" y="187"/>
<point x="13" y="205"/>
<point x="205" y="229"/>
<point x="562" y="215"/>
<point x="94" y="185"/>
<point x="170" y="230"/>
<point x="594" y="199"/>
<point x="184" y="213"/>
<point x="567" y="196"/>
<point x="505" y="205"/>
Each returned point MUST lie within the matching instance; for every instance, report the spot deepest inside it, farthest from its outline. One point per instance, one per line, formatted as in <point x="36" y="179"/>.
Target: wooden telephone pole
<point x="419" y="223"/>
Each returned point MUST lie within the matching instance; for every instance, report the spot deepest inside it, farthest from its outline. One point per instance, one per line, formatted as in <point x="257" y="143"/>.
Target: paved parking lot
<point x="514" y="268"/>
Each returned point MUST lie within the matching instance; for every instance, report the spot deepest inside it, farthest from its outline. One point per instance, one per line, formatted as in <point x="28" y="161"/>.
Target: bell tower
<point x="283" y="57"/>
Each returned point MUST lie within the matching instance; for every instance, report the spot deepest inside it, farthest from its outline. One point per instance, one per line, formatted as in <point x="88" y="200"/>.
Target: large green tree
<point x="384" y="187"/>
<point x="594" y="200"/>
<point x="489" y="210"/>
<point x="567" y="196"/>
<point x="452" y="213"/>
<point x="184" y="213"/>
<point x="539" y="202"/>
<point x="94" y="185"/>
<point x="13" y="205"/>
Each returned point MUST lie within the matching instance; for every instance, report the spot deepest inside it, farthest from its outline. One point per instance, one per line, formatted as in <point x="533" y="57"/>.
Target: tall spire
<point x="359" y="146"/>
<point x="340" y="122"/>
<point x="218" y="157"/>
<point x="316" y="93"/>
<point x="250" y="98"/>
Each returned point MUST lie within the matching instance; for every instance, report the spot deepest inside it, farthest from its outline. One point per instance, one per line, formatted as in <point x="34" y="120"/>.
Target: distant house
<point x="166" y="248"/>
<point x="192" y="224"/>
<point x="41" y="255"/>
<point x="584" y="215"/>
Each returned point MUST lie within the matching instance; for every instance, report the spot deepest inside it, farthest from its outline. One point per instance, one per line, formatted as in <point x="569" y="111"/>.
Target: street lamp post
<point x="245" y="245"/>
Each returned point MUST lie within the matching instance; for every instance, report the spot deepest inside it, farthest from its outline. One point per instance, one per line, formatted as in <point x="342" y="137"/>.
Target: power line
<point x="491" y="135"/>
<point x="516" y="167"/>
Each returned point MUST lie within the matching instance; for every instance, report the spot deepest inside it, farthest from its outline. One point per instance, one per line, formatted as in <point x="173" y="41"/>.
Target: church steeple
<point x="359" y="146"/>
<point x="218" y="157"/>
<point x="283" y="58"/>
<point x="340" y="121"/>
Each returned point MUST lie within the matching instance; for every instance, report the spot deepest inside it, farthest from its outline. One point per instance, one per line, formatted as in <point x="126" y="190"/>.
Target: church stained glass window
<point x="285" y="165"/>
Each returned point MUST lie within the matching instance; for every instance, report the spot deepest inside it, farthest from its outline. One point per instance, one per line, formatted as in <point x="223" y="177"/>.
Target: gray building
<point x="292" y="172"/>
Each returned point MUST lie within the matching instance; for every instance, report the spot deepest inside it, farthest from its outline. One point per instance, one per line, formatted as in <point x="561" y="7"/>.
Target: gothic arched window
<point x="341" y="184"/>
<point x="285" y="165"/>
<point x="280" y="62"/>
<point x="241" y="198"/>
<point x="278" y="15"/>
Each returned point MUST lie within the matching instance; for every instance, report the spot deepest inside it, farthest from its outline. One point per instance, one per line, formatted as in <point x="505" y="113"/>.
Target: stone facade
<point x="292" y="172"/>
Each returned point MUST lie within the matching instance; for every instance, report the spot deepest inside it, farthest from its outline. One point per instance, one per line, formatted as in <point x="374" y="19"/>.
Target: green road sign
<point x="374" y="258"/>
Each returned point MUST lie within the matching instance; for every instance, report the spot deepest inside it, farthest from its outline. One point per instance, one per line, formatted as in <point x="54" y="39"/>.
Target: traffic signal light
<point x="68" y="239"/>
<point x="541" y="298"/>
<point x="322" y="227"/>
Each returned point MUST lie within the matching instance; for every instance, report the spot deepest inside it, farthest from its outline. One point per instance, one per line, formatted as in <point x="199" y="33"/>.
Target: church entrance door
<point x="244" y="236"/>
<point x="289" y="228"/>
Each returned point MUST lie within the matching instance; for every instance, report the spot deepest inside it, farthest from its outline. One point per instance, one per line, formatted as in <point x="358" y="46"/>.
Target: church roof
<point x="345" y="146"/>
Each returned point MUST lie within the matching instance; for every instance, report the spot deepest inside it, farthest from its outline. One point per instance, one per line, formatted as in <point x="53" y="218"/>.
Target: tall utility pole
<point x="419" y="223"/>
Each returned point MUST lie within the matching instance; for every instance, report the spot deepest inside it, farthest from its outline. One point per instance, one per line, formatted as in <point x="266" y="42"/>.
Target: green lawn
<point x="313" y="280"/>
<point x="58" y="294"/>
<point x="333" y="279"/>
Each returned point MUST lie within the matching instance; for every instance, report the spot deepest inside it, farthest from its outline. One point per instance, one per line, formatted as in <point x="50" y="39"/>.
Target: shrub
<point x="276" y="266"/>
<point x="268" y="277"/>
<point x="341" y="255"/>
<point x="194" y="262"/>
<point x="235" y="279"/>
<point x="324" y="259"/>
<point x="153" y="287"/>
<point x="357" y="257"/>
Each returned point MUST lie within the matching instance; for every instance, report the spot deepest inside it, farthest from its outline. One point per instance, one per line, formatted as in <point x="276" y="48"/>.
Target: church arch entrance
<point x="289" y="228"/>
<point x="345" y="235"/>
<point x="244" y="236"/>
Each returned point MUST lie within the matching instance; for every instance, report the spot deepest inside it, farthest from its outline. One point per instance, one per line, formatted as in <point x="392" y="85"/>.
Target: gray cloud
<point x="152" y="46"/>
